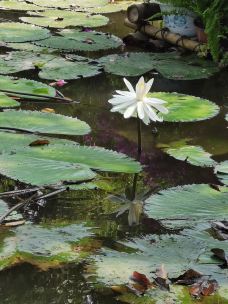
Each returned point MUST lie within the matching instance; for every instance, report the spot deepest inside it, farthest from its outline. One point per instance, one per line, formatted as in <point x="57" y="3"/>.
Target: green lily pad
<point x="30" y="47"/>
<point x="75" y="40"/>
<point x="12" y="141"/>
<point x="194" y="155"/>
<point x="15" y="62"/>
<point x="186" y="108"/>
<point x="44" y="247"/>
<point x="20" y="32"/>
<point x="40" y="122"/>
<point x="27" y="86"/>
<point x="169" y="65"/>
<point x="17" y="5"/>
<point x="221" y="170"/>
<point x="60" y="68"/>
<point x="60" y="161"/>
<point x="69" y="3"/>
<point x="7" y="102"/>
<point x="62" y="19"/>
<point x="110" y="7"/>
<point x="189" y="204"/>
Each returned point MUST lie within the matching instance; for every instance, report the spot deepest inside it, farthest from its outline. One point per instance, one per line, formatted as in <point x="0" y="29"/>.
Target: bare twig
<point x="12" y="93"/>
<point x="34" y="199"/>
<point x="18" y="192"/>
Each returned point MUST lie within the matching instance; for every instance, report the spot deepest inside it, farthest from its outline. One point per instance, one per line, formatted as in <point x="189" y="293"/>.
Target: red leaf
<point x="141" y="279"/>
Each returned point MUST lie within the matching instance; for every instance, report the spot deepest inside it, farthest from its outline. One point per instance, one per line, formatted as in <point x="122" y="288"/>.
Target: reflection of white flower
<point x="136" y="102"/>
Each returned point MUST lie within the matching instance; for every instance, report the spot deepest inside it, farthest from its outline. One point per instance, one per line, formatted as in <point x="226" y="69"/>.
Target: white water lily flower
<point x="135" y="102"/>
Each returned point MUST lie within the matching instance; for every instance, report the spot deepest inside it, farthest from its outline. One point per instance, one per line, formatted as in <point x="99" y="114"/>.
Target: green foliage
<point x="184" y="205"/>
<point x="221" y="171"/>
<point x="7" y="102"/>
<point x="212" y="13"/>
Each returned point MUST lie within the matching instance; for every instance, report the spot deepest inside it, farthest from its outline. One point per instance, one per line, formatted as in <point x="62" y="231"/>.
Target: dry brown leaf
<point x="39" y="142"/>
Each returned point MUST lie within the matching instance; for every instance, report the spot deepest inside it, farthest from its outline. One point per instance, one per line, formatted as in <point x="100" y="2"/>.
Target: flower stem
<point x="135" y="179"/>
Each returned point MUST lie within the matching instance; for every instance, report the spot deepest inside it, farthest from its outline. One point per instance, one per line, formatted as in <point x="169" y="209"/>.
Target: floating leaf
<point x="57" y="163"/>
<point x="194" y="155"/>
<point x="62" y="19"/>
<point x="187" y="204"/>
<point x="7" y="102"/>
<point x="29" y="47"/>
<point x="186" y="108"/>
<point x="17" y="5"/>
<point x="111" y="7"/>
<point x="10" y="141"/>
<point x="26" y="86"/>
<point x="15" y="62"/>
<point x="43" y="122"/>
<point x="60" y="67"/>
<point x="69" y="3"/>
<point x="20" y="32"/>
<point x="42" y="246"/>
<point x="170" y="65"/>
<point x="81" y="41"/>
<point x="221" y="171"/>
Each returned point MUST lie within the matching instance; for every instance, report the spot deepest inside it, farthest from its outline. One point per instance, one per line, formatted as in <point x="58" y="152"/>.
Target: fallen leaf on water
<point x="203" y="288"/>
<point x="162" y="278"/>
<point x="221" y="229"/>
<point x="39" y="142"/>
<point x="48" y="110"/>
<point x="140" y="279"/>
<point x="188" y="278"/>
<point x="220" y="254"/>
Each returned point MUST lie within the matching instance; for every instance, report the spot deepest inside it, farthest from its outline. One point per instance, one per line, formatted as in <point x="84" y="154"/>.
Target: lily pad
<point x="189" y="204"/>
<point x="194" y="155"/>
<point x="69" y="3"/>
<point x="7" y="102"/>
<point x="59" y="161"/>
<point x="29" y="47"/>
<point x="44" y="247"/>
<point x="76" y="40"/>
<point x="221" y="170"/>
<point x="110" y="7"/>
<point x="61" y="68"/>
<point x="18" y="5"/>
<point x="15" y="62"/>
<point x="27" y="86"/>
<point x="62" y="19"/>
<point x="20" y="32"/>
<point x="40" y="122"/>
<point x="186" y="108"/>
<point x="169" y="65"/>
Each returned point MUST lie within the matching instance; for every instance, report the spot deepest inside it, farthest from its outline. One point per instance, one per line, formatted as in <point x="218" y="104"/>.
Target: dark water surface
<point x="25" y="284"/>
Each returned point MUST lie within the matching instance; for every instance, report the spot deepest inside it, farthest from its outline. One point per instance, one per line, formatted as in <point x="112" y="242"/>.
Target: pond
<point x="84" y="222"/>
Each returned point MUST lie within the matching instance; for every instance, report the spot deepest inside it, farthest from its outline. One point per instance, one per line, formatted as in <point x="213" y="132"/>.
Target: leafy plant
<point x="212" y="13"/>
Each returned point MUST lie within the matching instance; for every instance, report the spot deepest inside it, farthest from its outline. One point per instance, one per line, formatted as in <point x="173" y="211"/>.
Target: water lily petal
<point x="149" y="85"/>
<point x="140" y="89"/>
<point x="130" y="111"/>
<point x="140" y="109"/>
<point x="129" y="85"/>
<point x="154" y="101"/>
<point x="161" y="108"/>
<point x="122" y="106"/>
<point x="125" y="93"/>
<point x="151" y="113"/>
<point x="119" y="99"/>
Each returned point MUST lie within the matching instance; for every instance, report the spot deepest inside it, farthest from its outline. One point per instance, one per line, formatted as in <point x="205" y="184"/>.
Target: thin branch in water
<point x="18" y="192"/>
<point x="12" y="93"/>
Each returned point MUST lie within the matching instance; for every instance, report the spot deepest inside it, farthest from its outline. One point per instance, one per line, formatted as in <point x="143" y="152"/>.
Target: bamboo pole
<point x="163" y="34"/>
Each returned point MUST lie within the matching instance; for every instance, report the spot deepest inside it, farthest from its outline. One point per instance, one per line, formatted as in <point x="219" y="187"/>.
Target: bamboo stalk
<point x="168" y="36"/>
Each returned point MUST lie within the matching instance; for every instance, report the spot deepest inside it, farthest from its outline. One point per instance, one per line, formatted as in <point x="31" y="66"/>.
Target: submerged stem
<point x="139" y="152"/>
